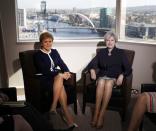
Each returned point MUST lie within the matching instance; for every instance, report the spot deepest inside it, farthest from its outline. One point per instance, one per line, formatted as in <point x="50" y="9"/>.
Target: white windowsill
<point x="129" y="41"/>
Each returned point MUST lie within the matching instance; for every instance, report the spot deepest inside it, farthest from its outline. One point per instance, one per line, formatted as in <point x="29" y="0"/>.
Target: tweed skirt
<point x="106" y="78"/>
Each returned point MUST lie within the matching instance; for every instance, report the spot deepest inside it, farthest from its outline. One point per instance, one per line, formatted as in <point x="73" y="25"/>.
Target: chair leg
<point x="123" y="116"/>
<point x="84" y="105"/>
<point x="141" y="126"/>
<point x="75" y="107"/>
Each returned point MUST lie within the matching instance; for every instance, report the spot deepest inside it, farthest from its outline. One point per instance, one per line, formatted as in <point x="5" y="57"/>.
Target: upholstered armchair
<point x="120" y="95"/>
<point x="151" y="116"/>
<point x="41" y="97"/>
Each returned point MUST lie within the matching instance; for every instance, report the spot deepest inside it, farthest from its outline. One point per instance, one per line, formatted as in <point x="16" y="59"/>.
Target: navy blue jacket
<point x="43" y="63"/>
<point x="113" y="65"/>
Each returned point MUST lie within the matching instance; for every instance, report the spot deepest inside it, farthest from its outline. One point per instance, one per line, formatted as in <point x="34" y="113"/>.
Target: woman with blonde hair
<point x="113" y="66"/>
<point x="47" y="60"/>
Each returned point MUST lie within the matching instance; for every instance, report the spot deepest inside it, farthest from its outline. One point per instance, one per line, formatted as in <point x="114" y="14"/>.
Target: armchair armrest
<point x="127" y="85"/>
<point x="87" y="78"/>
<point x="71" y="81"/>
<point x="10" y="92"/>
<point x="127" y="81"/>
<point x="148" y="87"/>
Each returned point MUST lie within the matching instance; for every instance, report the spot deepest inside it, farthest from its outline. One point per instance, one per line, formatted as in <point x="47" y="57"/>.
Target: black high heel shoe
<point x="99" y="125"/>
<point x="93" y="124"/>
<point x="73" y="125"/>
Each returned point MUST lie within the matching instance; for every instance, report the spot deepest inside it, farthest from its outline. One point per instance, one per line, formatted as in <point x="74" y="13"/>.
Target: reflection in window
<point x="72" y="19"/>
<point x="141" y="19"/>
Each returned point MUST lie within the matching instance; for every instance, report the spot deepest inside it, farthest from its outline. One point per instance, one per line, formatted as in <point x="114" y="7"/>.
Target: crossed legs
<point x="103" y="94"/>
<point x="138" y="112"/>
<point x="59" y="94"/>
<point x="57" y="89"/>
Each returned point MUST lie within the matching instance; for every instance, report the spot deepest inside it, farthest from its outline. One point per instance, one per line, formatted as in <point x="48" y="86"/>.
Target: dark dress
<point x="111" y="65"/>
<point x="47" y="68"/>
<point x="43" y="63"/>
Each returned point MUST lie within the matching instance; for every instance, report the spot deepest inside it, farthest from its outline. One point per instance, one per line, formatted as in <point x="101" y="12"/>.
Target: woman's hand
<point x="119" y="80"/>
<point x="93" y="74"/>
<point x="66" y="75"/>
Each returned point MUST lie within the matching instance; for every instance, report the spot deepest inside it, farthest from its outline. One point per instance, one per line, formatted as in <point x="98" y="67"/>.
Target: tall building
<point x="43" y="7"/>
<point x="105" y="18"/>
<point x="21" y="17"/>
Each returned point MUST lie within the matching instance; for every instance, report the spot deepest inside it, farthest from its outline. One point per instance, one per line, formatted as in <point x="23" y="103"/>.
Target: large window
<point x="140" y="19"/>
<point x="65" y="19"/>
<point x="87" y="19"/>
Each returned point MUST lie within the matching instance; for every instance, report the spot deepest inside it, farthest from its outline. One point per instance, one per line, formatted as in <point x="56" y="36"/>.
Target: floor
<point x="112" y="119"/>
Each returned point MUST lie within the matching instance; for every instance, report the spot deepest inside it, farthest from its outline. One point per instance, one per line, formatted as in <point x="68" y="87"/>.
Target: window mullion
<point x="120" y="18"/>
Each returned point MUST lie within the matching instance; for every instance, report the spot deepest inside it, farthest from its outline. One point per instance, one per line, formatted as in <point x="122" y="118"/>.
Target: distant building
<point x="21" y="17"/>
<point x="139" y="30"/>
<point x="105" y="18"/>
<point x="43" y="7"/>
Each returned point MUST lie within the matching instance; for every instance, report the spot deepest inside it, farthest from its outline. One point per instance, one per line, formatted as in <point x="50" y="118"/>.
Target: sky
<point x="80" y="3"/>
